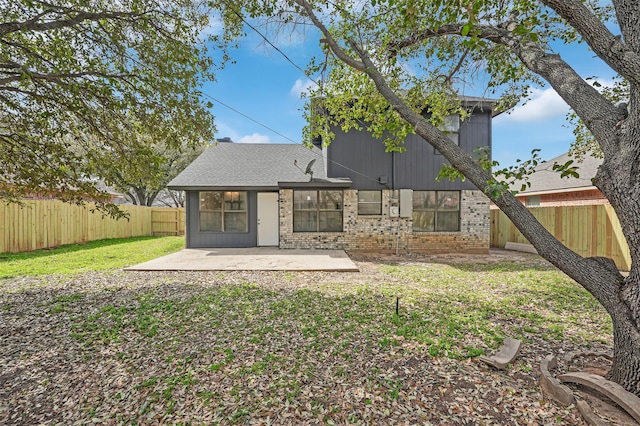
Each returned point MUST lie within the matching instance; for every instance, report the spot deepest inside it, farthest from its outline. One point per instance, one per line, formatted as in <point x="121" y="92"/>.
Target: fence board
<point x="587" y="230"/>
<point x="39" y="224"/>
<point x="167" y="221"/>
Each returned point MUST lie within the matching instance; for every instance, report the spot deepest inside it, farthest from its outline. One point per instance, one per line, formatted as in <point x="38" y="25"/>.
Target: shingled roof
<point x="258" y="166"/>
<point x="545" y="180"/>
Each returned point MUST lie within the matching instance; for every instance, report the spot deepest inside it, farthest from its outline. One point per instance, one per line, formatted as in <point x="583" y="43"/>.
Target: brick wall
<point x="383" y="233"/>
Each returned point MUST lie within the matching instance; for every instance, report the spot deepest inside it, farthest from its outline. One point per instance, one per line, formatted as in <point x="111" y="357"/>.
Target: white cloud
<point x="225" y="131"/>
<point x="254" y="138"/>
<point x="543" y="104"/>
<point x="302" y="87"/>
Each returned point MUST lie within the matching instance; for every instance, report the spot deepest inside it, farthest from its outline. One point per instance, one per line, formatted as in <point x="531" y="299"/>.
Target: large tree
<point x="387" y="61"/>
<point x="142" y="183"/>
<point x="85" y="85"/>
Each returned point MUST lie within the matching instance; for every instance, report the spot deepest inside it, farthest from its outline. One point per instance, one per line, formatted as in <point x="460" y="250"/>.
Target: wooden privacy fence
<point x="587" y="230"/>
<point x="39" y="224"/>
<point x="167" y="221"/>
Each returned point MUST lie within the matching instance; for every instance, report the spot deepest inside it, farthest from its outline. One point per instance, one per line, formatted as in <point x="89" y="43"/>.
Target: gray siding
<point x="197" y="239"/>
<point x="363" y="159"/>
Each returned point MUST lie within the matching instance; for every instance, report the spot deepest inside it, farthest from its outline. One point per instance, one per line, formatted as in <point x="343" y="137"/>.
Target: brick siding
<point x="383" y="233"/>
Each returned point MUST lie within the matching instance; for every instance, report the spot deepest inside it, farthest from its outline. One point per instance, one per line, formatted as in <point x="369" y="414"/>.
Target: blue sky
<point x="263" y="85"/>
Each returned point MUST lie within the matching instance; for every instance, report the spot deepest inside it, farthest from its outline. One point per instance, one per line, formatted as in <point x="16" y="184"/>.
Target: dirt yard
<point x="292" y="348"/>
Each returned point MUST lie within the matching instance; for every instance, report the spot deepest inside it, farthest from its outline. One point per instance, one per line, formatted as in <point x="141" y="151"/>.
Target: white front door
<point x="268" y="219"/>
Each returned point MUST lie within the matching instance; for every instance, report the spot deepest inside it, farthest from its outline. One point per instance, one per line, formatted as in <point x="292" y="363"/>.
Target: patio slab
<point x="250" y="259"/>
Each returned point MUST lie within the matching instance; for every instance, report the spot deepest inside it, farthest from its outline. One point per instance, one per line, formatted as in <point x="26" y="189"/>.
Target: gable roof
<point x="259" y="166"/>
<point x="545" y="180"/>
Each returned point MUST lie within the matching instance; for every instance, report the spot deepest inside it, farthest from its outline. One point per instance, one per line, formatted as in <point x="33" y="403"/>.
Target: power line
<point x="277" y="49"/>
<point x="248" y="117"/>
<point x="288" y="138"/>
<point x="253" y="119"/>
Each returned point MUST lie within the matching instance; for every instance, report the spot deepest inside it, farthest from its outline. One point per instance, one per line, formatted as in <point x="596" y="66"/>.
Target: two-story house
<point x="351" y="195"/>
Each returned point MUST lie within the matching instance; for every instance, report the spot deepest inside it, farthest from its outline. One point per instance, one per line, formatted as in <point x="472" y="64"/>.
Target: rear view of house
<point x="351" y="195"/>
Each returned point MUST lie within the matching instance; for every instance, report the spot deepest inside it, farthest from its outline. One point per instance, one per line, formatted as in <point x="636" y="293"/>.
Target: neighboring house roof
<point x="236" y="165"/>
<point x="547" y="181"/>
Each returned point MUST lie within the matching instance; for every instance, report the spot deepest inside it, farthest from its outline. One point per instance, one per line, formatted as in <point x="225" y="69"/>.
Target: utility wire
<point x="289" y="139"/>
<point x="277" y="49"/>
<point x="253" y="119"/>
<point x="266" y="39"/>
<point x="249" y="118"/>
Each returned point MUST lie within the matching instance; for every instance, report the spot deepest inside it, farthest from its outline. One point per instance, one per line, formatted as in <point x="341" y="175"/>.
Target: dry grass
<point x="292" y="348"/>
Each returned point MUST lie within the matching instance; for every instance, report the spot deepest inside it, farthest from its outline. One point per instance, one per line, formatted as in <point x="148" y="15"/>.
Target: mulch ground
<point x="49" y="376"/>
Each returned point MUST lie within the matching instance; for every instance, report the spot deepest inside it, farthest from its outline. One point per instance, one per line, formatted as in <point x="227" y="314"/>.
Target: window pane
<point x="424" y="221"/>
<point x="533" y="201"/>
<point x="330" y="200"/>
<point x="451" y="123"/>
<point x="210" y="200"/>
<point x="305" y="200"/>
<point x="369" y="202"/>
<point x="448" y="200"/>
<point x="235" y="221"/>
<point x="424" y="200"/>
<point x="369" y="208"/>
<point x="234" y="200"/>
<point x="370" y="196"/>
<point x="448" y="221"/>
<point x="331" y="221"/>
<point x="210" y="221"/>
<point x="305" y="221"/>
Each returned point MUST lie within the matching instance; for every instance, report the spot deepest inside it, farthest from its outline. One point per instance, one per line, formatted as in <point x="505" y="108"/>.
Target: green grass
<point x="92" y="256"/>
<point x="242" y="349"/>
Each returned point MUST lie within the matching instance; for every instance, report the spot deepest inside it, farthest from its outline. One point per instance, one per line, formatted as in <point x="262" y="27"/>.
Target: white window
<point x="369" y="203"/>
<point x="317" y="211"/>
<point x="436" y="211"/>
<point x="533" y="201"/>
<point x="451" y="128"/>
<point x="223" y="211"/>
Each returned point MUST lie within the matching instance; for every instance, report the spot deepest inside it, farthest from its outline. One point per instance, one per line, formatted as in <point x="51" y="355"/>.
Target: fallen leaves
<point x="257" y="348"/>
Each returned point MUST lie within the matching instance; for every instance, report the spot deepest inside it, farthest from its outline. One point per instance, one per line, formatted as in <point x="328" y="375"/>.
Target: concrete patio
<point x="250" y="259"/>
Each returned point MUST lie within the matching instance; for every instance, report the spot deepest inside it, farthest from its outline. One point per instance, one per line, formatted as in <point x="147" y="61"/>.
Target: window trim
<point x="370" y="203"/>
<point x="318" y="210"/>
<point x="435" y="210"/>
<point x="451" y="129"/>
<point x="222" y="212"/>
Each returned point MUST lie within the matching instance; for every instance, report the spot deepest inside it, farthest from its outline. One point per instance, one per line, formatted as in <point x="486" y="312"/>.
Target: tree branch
<point x="420" y="36"/>
<point x="33" y="25"/>
<point x="598" y="113"/>
<point x="608" y="47"/>
<point x="577" y="267"/>
<point x="328" y="38"/>
<point x="56" y="77"/>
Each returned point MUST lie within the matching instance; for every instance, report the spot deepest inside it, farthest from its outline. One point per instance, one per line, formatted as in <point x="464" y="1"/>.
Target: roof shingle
<point x="545" y="179"/>
<point x="234" y="165"/>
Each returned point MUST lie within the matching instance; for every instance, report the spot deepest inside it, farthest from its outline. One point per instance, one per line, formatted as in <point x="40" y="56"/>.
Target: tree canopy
<point x="388" y="61"/>
<point x="142" y="183"/>
<point x="88" y="87"/>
